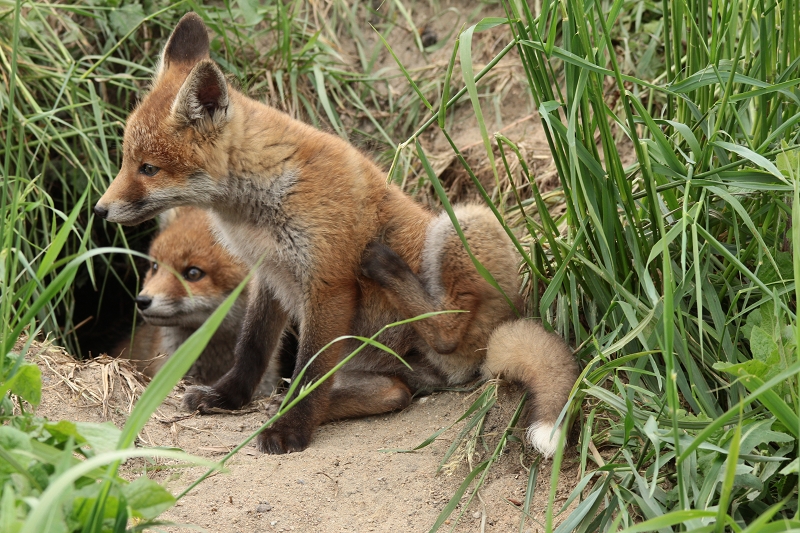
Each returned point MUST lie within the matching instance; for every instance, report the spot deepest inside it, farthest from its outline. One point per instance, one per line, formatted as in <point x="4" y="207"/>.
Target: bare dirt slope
<point x="345" y="481"/>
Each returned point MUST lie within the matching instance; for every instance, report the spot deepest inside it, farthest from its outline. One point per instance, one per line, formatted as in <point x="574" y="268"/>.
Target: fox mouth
<point x="187" y="312"/>
<point x="133" y="213"/>
<point x="175" y="318"/>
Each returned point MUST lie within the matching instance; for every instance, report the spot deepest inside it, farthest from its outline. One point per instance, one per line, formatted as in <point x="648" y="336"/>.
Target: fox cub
<point x="334" y="249"/>
<point x="488" y="340"/>
<point x="190" y="276"/>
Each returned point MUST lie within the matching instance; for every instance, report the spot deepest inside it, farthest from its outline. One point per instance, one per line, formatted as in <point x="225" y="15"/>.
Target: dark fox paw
<point x="280" y="440"/>
<point x="382" y="264"/>
<point x="203" y="398"/>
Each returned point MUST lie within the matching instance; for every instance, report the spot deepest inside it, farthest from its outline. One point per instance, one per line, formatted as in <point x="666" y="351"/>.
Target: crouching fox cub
<point x="190" y="276"/>
<point x="334" y="249"/>
<point x="488" y="340"/>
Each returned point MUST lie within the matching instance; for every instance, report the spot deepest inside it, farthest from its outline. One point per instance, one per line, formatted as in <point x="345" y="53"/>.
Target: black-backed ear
<point x="187" y="45"/>
<point x="203" y="99"/>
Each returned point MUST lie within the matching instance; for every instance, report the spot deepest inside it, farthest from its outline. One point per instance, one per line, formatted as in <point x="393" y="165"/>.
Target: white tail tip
<point x="543" y="438"/>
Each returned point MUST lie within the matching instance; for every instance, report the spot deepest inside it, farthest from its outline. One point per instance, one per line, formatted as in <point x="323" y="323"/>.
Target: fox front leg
<point x="259" y="341"/>
<point x="327" y="315"/>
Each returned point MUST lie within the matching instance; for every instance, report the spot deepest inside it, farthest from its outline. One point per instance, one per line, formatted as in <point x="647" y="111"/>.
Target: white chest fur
<point x="282" y="272"/>
<point x="257" y="225"/>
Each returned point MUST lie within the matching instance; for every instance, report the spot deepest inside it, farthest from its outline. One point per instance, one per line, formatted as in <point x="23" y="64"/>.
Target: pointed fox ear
<point x="187" y="45"/>
<point x="203" y="100"/>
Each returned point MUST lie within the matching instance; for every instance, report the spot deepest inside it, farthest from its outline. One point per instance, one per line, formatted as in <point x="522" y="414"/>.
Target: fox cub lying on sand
<point x="334" y="248"/>
<point x="186" y="247"/>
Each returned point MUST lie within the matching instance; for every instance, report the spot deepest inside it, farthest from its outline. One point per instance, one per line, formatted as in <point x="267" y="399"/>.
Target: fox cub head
<point x="175" y="140"/>
<point x="187" y="257"/>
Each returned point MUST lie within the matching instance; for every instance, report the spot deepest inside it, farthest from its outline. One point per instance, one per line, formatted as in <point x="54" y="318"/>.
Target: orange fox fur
<point x="334" y="248"/>
<point x="185" y="248"/>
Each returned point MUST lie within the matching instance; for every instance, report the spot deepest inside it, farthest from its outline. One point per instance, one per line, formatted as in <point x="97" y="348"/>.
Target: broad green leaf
<point x="8" y="512"/>
<point x="753" y="367"/>
<point x="249" y="9"/>
<point x="101" y="437"/>
<point x="147" y="499"/>
<point x="748" y="481"/>
<point x="41" y="516"/>
<point x="85" y="499"/>
<point x="763" y="346"/>
<point x="13" y="439"/>
<point x="768" y="274"/>
<point x="25" y="383"/>
<point x="788" y="162"/>
<point x="760" y="432"/>
<point x="126" y="18"/>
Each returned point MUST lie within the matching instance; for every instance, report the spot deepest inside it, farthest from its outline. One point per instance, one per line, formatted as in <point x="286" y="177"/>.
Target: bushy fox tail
<point x="523" y="352"/>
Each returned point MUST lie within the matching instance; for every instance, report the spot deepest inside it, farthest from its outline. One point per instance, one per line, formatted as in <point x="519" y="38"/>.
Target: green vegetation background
<point x="673" y="276"/>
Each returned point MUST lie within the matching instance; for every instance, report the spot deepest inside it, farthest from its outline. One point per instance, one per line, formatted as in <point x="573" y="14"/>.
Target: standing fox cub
<point x="335" y="249"/>
<point x="190" y="276"/>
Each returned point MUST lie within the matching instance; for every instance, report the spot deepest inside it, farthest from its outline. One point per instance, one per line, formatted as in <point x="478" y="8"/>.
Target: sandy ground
<point x="346" y="480"/>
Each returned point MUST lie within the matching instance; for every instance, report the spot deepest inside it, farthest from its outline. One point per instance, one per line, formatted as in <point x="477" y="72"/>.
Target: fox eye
<point x="148" y="170"/>
<point x="193" y="274"/>
<point x="154" y="266"/>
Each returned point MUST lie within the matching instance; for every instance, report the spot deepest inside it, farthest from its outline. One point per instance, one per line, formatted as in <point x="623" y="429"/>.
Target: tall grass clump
<point x="60" y="476"/>
<point x="673" y="266"/>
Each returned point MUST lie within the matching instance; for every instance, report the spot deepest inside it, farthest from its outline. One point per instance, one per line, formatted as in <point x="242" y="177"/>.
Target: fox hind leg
<point x="357" y="394"/>
<point x="408" y="295"/>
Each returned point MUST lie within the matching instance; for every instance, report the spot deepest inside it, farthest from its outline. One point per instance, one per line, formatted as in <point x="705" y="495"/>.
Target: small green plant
<point x="773" y="348"/>
<point x="37" y="454"/>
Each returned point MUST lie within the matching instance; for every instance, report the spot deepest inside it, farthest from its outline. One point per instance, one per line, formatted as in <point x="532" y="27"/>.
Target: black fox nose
<point x="100" y="211"/>
<point x="143" y="302"/>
